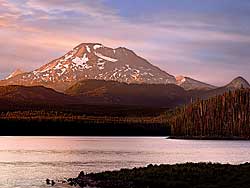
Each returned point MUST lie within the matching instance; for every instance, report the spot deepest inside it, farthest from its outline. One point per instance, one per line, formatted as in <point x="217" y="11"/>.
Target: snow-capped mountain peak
<point x="95" y="61"/>
<point x="191" y="84"/>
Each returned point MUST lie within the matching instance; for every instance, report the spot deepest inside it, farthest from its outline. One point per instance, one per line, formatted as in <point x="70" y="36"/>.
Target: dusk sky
<point x="208" y="40"/>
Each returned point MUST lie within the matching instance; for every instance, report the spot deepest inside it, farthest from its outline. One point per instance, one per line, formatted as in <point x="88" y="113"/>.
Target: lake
<point x="25" y="162"/>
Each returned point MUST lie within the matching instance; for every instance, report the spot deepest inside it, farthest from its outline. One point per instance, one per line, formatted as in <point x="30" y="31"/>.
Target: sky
<point x="208" y="40"/>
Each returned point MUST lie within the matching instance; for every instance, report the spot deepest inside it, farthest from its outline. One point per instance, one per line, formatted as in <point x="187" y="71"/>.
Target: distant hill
<point x="235" y="84"/>
<point x="167" y="95"/>
<point x="38" y="98"/>
<point x="238" y="83"/>
<point x="33" y="95"/>
<point x="96" y="92"/>
<point x="100" y="92"/>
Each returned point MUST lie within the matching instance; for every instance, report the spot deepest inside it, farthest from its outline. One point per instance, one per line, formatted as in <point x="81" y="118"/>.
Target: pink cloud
<point x="35" y="34"/>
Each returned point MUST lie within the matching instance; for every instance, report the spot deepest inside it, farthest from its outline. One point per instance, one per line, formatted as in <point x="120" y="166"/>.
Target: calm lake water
<point x="25" y="162"/>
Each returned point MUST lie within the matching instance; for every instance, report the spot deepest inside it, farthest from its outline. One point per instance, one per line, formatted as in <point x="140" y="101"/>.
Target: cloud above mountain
<point x="208" y="40"/>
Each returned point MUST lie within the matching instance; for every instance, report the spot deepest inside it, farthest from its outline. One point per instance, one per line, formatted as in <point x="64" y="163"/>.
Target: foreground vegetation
<point x="189" y="175"/>
<point x="224" y="116"/>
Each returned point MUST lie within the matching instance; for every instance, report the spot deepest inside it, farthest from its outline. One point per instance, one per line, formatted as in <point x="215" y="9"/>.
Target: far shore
<point x="207" y="138"/>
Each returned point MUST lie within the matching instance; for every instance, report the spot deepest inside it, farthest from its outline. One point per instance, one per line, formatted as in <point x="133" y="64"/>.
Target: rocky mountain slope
<point x="15" y="73"/>
<point x="191" y="84"/>
<point x="93" y="61"/>
<point x="89" y="61"/>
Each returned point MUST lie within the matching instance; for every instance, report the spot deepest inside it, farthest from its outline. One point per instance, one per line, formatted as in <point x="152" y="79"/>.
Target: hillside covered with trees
<point x="223" y="116"/>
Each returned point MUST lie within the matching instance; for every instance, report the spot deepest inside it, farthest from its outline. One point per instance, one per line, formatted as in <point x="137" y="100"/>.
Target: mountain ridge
<point x="15" y="73"/>
<point x="88" y="61"/>
<point x="238" y="82"/>
<point x="33" y="94"/>
<point x="191" y="84"/>
<point x="101" y="92"/>
<point x="93" y="61"/>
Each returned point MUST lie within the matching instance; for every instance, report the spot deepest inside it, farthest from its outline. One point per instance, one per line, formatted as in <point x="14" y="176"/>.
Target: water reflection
<point x="28" y="161"/>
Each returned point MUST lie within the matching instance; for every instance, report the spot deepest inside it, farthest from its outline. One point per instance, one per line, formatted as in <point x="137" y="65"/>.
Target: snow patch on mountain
<point x="105" y="57"/>
<point x="191" y="84"/>
<point x="180" y="80"/>
<point x="67" y="56"/>
<point x="58" y="66"/>
<point x="81" y="61"/>
<point x="97" y="46"/>
<point x="88" y="48"/>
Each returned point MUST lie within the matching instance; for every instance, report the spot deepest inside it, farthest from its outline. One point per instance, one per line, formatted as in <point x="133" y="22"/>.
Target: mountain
<point x="33" y="94"/>
<point x="238" y="83"/>
<point x="111" y="92"/>
<point x="97" y="92"/>
<point x="101" y="92"/>
<point x="15" y="73"/>
<point x="93" y="61"/>
<point x="235" y="84"/>
<point x="21" y="99"/>
<point x="96" y="61"/>
<point x="191" y="84"/>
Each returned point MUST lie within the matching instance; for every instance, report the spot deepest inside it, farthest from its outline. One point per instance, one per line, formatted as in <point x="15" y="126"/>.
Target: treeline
<point x="79" y="109"/>
<point x="61" y="123"/>
<point x="224" y="116"/>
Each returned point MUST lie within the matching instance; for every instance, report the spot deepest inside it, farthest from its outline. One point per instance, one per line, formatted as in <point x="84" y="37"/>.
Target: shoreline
<point x="204" y="175"/>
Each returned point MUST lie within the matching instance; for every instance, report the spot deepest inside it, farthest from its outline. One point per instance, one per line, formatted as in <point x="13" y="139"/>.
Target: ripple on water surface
<point x="25" y="162"/>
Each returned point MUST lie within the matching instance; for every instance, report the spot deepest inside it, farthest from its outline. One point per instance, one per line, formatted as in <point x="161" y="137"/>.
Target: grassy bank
<point x="189" y="175"/>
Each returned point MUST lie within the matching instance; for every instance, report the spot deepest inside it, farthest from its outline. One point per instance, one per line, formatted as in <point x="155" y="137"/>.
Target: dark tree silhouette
<point x="226" y="115"/>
